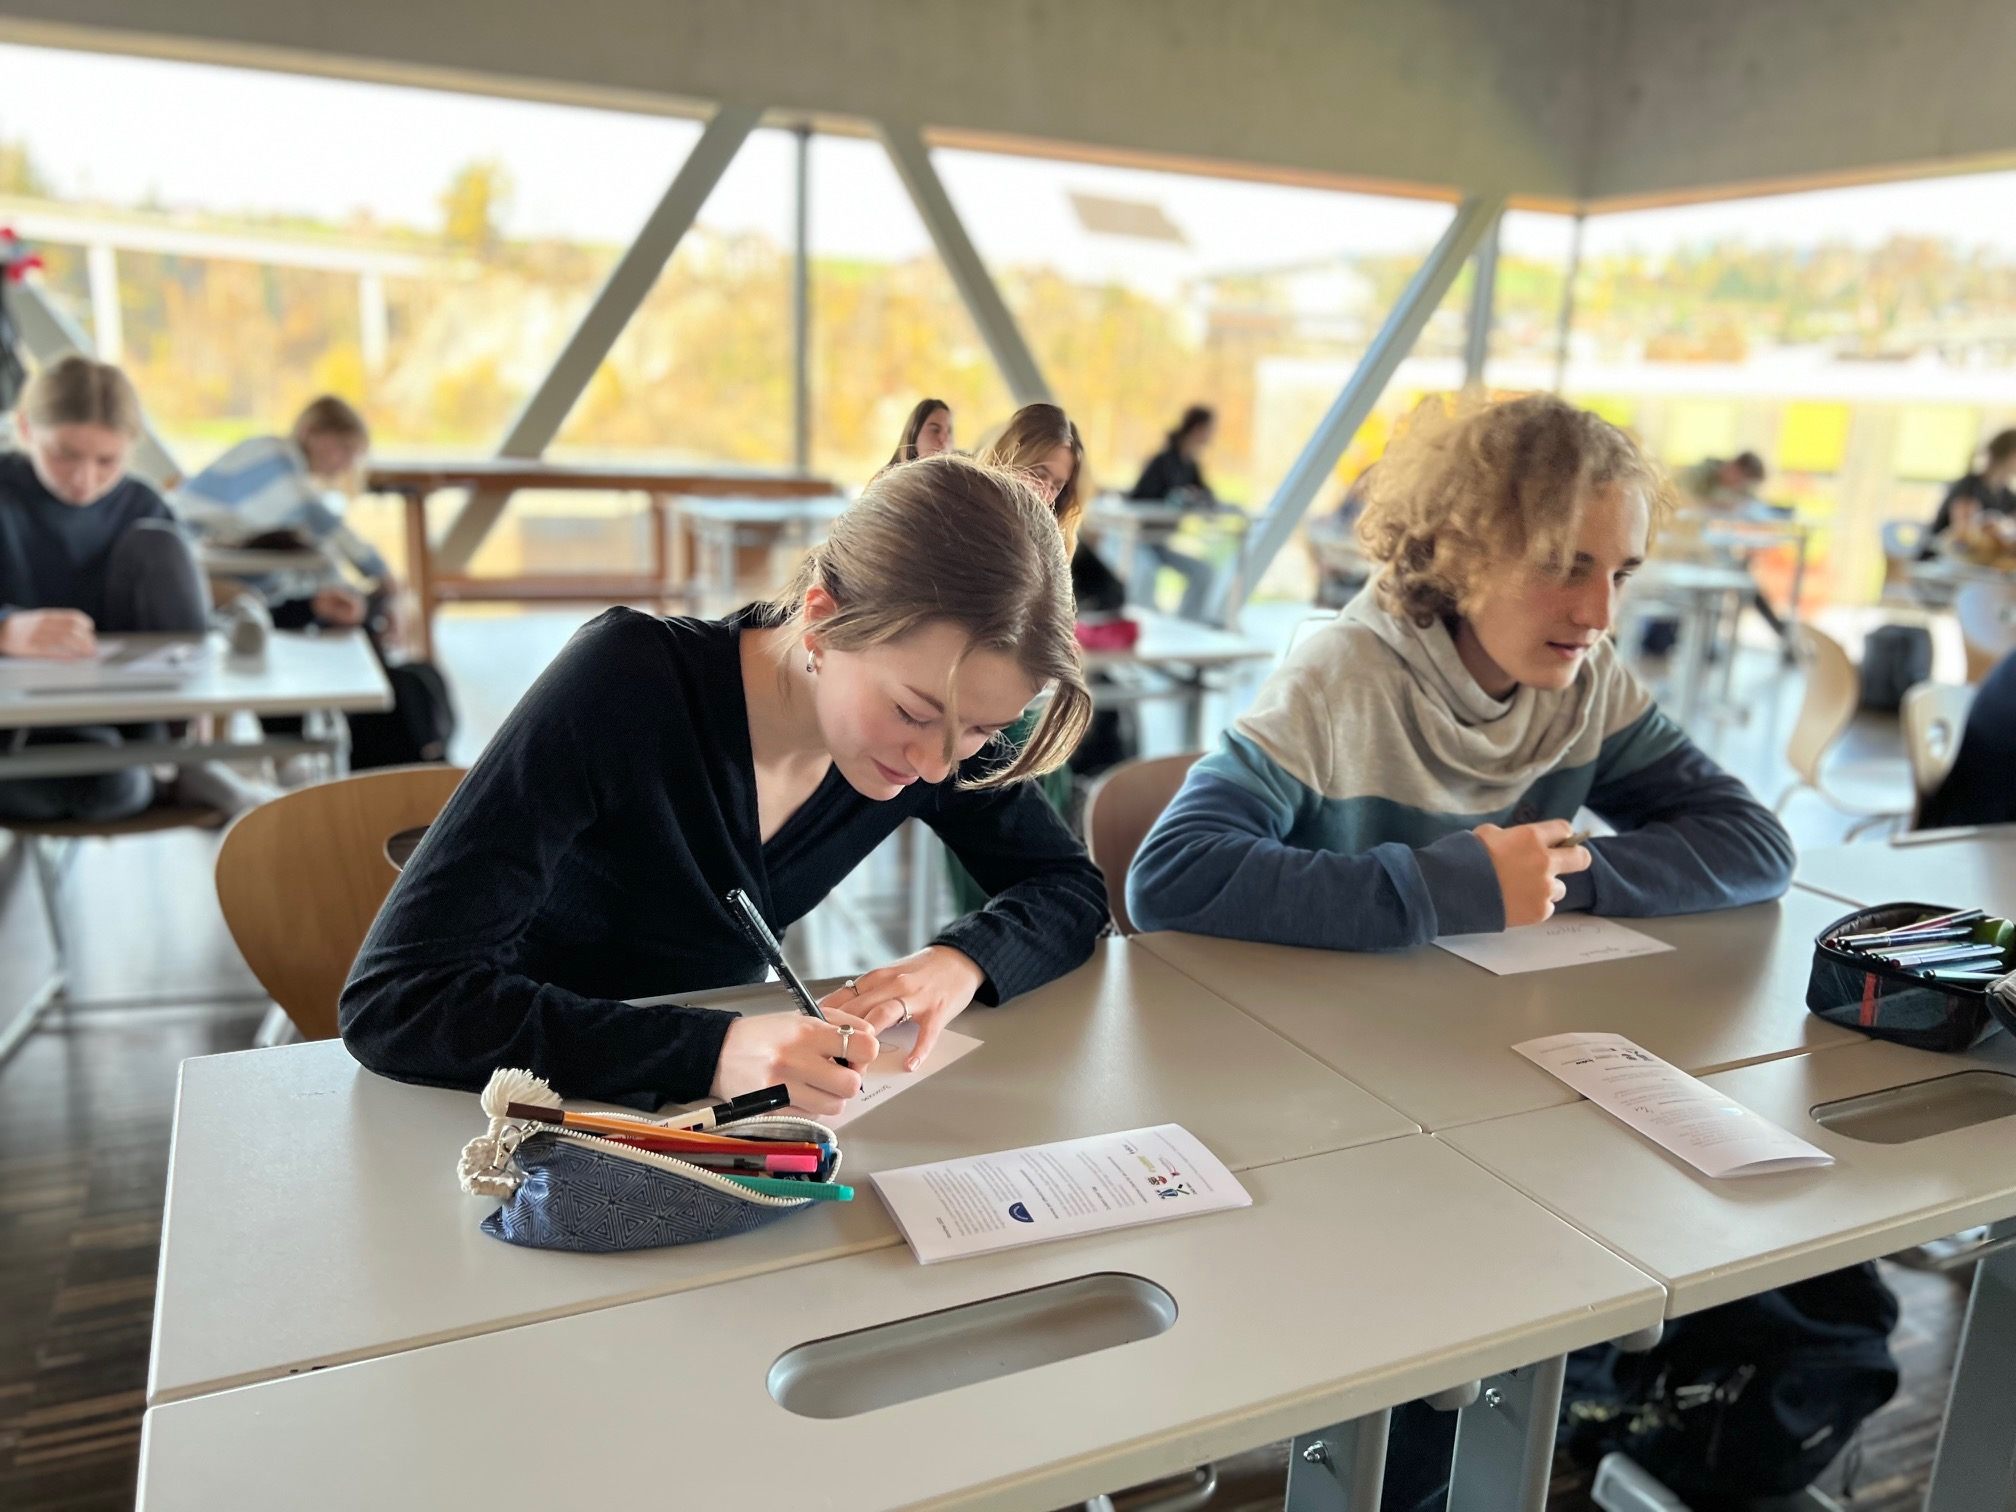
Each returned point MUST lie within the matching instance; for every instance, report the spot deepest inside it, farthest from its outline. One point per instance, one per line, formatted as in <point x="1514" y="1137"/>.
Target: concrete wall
<point x="1444" y="93"/>
<point x="1744" y="92"/>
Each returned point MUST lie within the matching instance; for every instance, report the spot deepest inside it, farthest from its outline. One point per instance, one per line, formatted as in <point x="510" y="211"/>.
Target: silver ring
<point x="906" y="1011"/>
<point x="849" y="985"/>
<point x="846" y="1035"/>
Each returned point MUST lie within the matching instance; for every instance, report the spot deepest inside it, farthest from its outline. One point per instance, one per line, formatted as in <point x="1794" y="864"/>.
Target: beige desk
<point x="313" y="1216"/>
<point x="1353" y="1283"/>
<point x="1432" y="1034"/>
<point x="1970" y="868"/>
<point x="1710" y="1242"/>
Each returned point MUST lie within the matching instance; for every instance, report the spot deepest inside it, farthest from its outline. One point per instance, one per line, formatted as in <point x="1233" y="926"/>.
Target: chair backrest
<point x="1120" y="810"/>
<point x="1987" y="615"/>
<point x="301" y="878"/>
<point x="1833" y="693"/>
<point x="1934" y="717"/>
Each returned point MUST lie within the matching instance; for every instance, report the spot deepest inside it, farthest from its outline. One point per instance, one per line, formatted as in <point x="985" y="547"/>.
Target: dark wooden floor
<point x="85" y="1115"/>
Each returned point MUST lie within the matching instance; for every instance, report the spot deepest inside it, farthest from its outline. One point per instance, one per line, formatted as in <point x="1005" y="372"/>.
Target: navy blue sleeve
<point x="1691" y="838"/>
<point x="1218" y="862"/>
<point x="1047" y="901"/>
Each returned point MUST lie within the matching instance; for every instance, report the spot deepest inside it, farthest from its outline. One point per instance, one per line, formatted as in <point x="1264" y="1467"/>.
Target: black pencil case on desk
<point x="1890" y="1002"/>
<point x="565" y="1189"/>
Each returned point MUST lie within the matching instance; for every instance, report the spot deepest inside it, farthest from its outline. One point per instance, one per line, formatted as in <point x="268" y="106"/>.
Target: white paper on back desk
<point x="955" y="1208"/>
<point x="1716" y="1136"/>
<point x="1564" y="940"/>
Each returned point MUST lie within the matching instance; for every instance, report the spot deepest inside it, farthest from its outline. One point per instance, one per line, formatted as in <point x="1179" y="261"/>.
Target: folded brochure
<point x="974" y="1206"/>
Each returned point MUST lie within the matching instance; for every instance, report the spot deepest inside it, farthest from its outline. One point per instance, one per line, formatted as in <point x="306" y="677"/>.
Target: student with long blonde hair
<point x="659" y="763"/>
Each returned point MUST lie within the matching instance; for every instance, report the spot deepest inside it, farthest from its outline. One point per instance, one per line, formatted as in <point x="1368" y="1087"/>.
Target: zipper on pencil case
<point x="680" y="1167"/>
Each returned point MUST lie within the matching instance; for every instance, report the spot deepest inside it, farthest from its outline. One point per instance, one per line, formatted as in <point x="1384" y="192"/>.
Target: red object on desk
<point x="1108" y="634"/>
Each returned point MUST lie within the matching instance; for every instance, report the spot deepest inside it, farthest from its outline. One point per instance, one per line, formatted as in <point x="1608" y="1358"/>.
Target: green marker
<point x="804" y="1191"/>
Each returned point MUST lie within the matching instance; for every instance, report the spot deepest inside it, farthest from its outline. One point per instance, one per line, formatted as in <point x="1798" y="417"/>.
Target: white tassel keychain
<point x="485" y="1168"/>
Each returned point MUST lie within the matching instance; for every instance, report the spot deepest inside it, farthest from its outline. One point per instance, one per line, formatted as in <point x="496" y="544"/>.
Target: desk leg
<point x="339" y="747"/>
<point x="1975" y="1470"/>
<point x="420" y="573"/>
<point x="1505" y="1441"/>
<point x="1193" y="710"/>
<point x="1340" y="1468"/>
<point x="1694" y="665"/>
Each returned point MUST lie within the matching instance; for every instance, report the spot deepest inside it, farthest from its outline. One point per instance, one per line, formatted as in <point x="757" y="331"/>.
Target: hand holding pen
<point x="802" y="1053"/>
<point x="813" y="1056"/>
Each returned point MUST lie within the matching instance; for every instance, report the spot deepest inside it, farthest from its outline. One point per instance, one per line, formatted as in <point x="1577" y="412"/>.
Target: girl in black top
<point x="1174" y="470"/>
<point x="1987" y="492"/>
<point x="656" y="764"/>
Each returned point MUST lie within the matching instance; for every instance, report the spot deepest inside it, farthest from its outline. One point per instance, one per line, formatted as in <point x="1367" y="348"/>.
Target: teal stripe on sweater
<point x="1352" y="825"/>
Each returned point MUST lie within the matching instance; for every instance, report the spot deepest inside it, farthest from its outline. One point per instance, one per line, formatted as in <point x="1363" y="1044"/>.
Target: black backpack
<point x="1894" y="659"/>
<point x="416" y="728"/>
<point x="1749" y="1400"/>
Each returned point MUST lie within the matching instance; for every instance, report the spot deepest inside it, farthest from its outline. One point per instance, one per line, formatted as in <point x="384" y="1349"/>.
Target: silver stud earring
<point x="811" y="665"/>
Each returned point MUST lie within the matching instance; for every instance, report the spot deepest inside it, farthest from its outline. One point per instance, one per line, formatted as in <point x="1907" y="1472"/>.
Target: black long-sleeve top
<point x="584" y="861"/>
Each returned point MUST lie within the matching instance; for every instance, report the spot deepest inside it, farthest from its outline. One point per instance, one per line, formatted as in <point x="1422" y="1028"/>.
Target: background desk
<point x="313" y="1215"/>
<point x="1971" y="868"/>
<point x="1432" y="1034"/>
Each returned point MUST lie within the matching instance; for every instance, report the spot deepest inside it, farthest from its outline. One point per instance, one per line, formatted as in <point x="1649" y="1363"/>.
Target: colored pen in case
<point x="1937" y="921"/>
<point x="1947" y="955"/>
<point x="657" y="1136"/>
<point x="759" y="1165"/>
<point x="784" y="1186"/>
<point x="748" y="1105"/>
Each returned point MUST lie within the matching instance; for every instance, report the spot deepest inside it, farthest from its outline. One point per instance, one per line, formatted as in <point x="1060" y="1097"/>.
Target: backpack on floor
<point x="1748" y="1400"/>
<point x="416" y="728"/>
<point x="1894" y="659"/>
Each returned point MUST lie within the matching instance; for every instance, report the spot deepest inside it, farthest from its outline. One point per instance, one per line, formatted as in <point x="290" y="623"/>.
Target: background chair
<point x="1121" y="808"/>
<point x="52" y="849"/>
<point x="1833" y="694"/>
<point x="301" y="878"/>
<point x="1934" y="717"/>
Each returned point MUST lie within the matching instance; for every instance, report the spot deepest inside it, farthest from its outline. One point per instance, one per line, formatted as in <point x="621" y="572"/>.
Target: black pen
<point x="748" y="1105"/>
<point x="766" y="944"/>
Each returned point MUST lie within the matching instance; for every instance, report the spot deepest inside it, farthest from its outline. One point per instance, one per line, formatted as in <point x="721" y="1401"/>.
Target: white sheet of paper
<point x="1564" y="940"/>
<point x="956" y="1208"/>
<point x="113" y="662"/>
<point x="884" y="1078"/>
<point x="1681" y="1114"/>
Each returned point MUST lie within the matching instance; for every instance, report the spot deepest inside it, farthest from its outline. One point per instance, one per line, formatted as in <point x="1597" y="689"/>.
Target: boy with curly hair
<point x="1413" y="767"/>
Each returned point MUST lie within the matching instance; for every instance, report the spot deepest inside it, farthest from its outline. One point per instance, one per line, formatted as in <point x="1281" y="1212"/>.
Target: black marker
<point x="773" y="954"/>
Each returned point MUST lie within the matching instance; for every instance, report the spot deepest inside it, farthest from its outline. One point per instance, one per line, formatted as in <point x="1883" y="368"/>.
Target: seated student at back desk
<point x="85" y="548"/>
<point x="659" y="763"/>
<point x="1174" y="475"/>
<point x="1419" y="760"/>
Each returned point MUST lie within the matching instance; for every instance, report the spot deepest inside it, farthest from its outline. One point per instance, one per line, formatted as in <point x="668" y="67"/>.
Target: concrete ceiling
<point x="1555" y="102"/>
